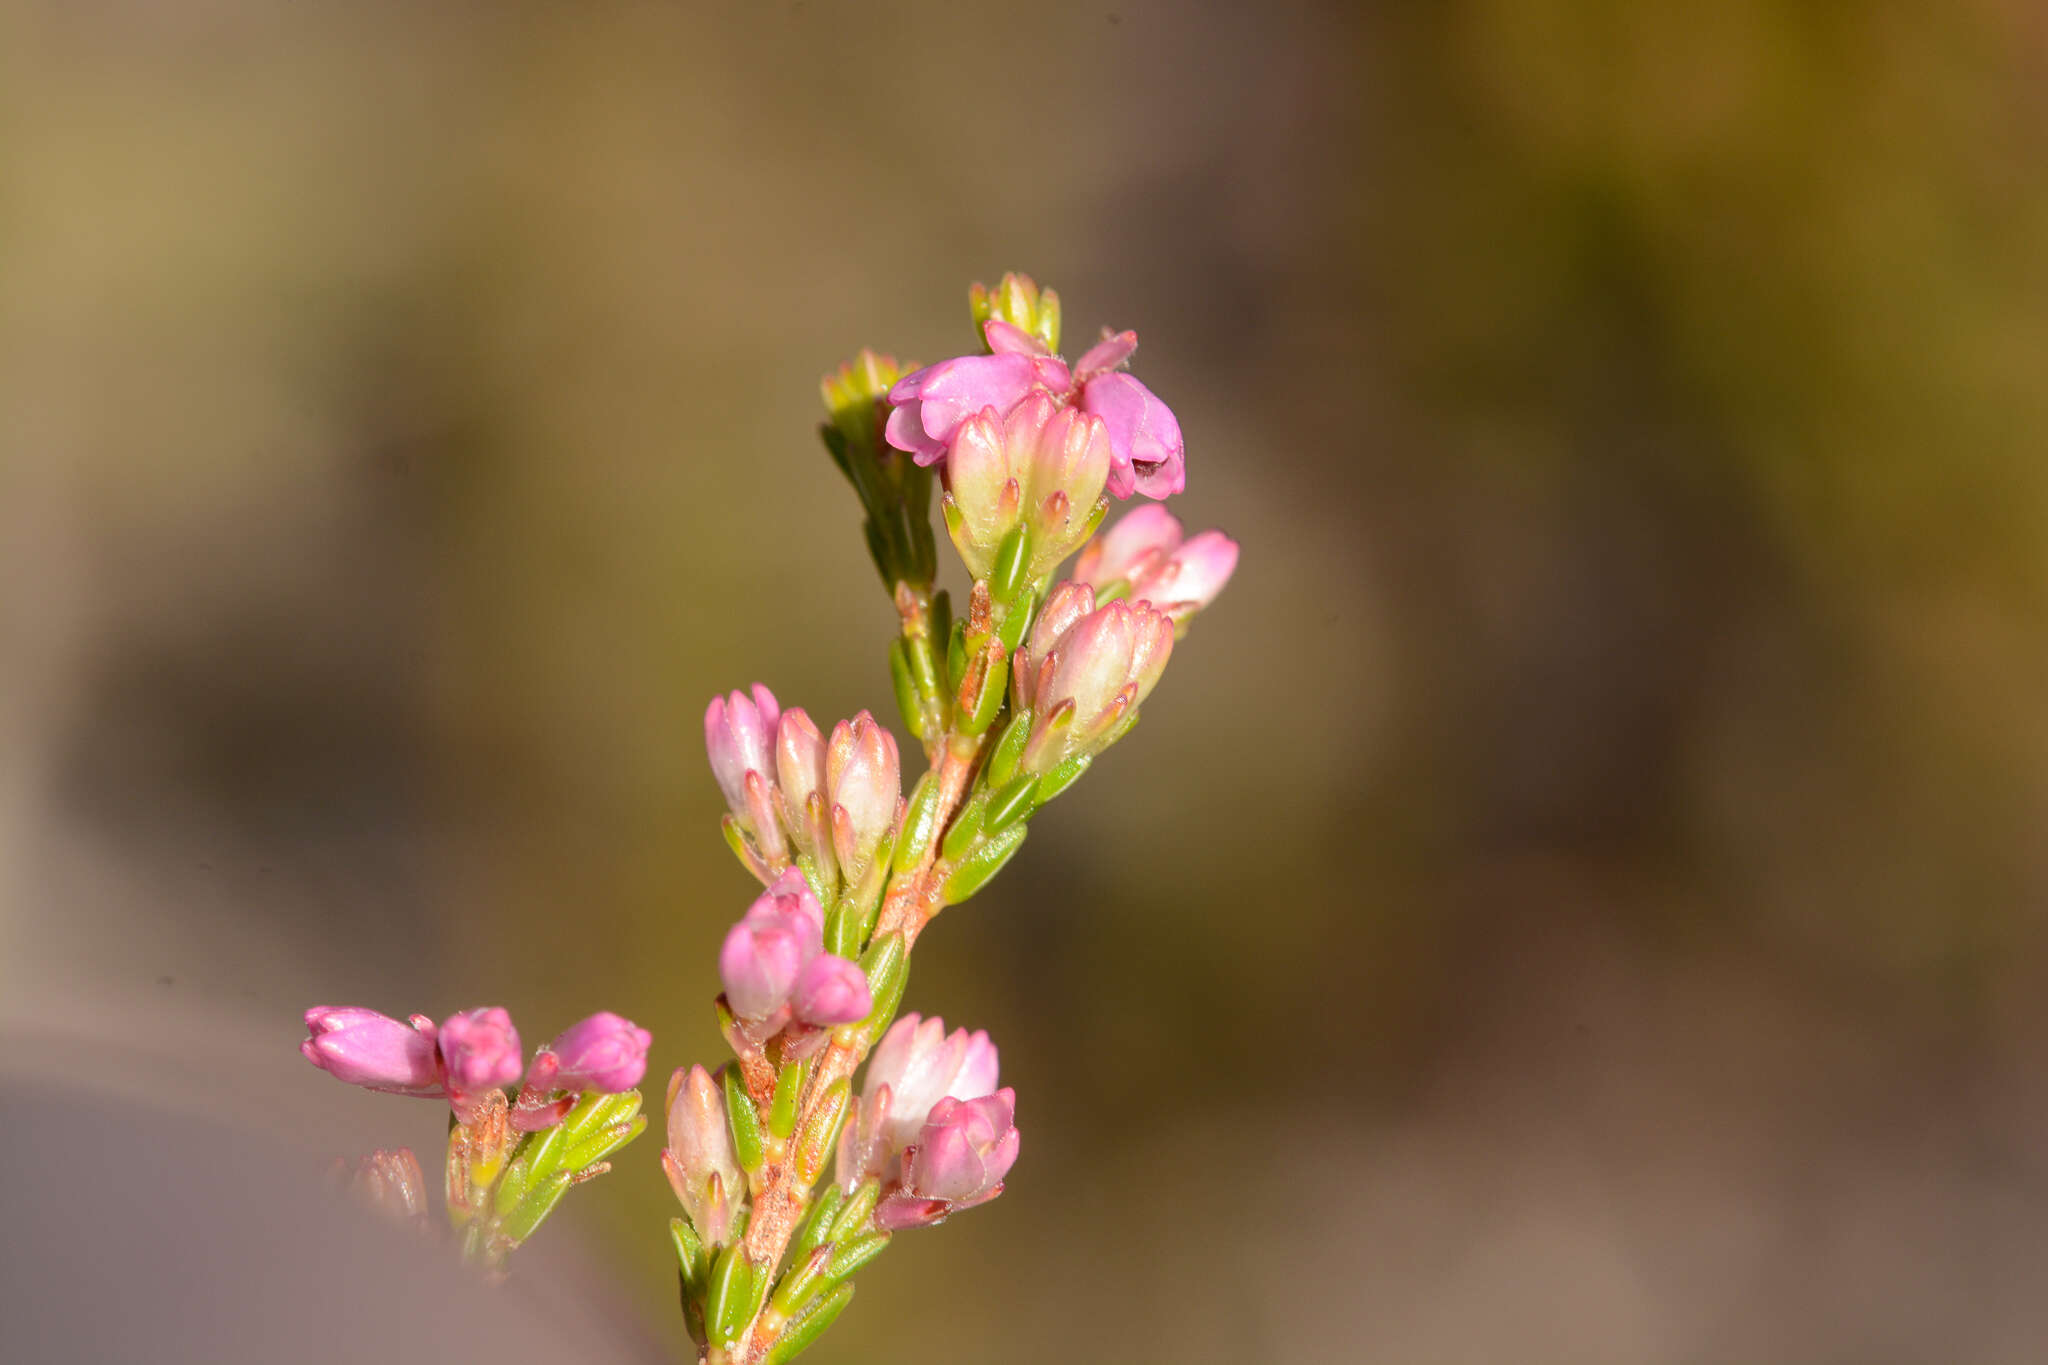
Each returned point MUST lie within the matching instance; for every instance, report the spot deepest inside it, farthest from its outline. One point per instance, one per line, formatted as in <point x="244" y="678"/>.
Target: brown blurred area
<point x="1578" y="896"/>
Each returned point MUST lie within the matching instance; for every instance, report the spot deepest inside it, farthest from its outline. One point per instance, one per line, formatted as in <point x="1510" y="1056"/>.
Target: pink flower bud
<point x="759" y="963"/>
<point x="1106" y="355"/>
<point x="739" y="736"/>
<point x="374" y="1051"/>
<point x="966" y="1148"/>
<point x="392" y="1184"/>
<point x="921" y="1064"/>
<point x="1146" y="452"/>
<point x="480" y="1050"/>
<point x="963" y="1151"/>
<point x="831" y="991"/>
<point x="864" y="776"/>
<point x="1086" y="692"/>
<point x="603" y="1052"/>
<point x="699" y="1160"/>
<point x="1043" y="465"/>
<point x="1144" y="536"/>
<point x="800" y="768"/>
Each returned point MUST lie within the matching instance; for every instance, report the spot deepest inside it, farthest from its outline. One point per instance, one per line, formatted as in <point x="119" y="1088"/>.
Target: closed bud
<point x="391" y="1183"/>
<point x="480" y="1052"/>
<point x="1146" y="555"/>
<point x="852" y="391"/>
<point x="800" y="766"/>
<point x="831" y="990"/>
<point x="1064" y="607"/>
<point x="864" y="779"/>
<point x="699" y="1160"/>
<point x="1087" y="690"/>
<point x="739" y="736"/>
<point x="374" y="1051"/>
<point x="963" y="1151"/>
<point x="920" y="1064"/>
<point x="604" y="1052"/>
<point x="1042" y="466"/>
<point x="1018" y="302"/>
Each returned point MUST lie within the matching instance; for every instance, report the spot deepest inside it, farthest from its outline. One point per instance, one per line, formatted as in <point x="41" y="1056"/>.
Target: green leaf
<point x="966" y="828"/>
<point x="540" y="1201"/>
<point x="806" y="1276"/>
<point x="819" y="1225"/>
<point x="745" y="1123"/>
<point x="908" y="703"/>
<point x="603" y="1143"/>
<point x="1063" y="777"/>
<point x="818" y="1131"/>
<point x="1002" y="761"/>
<point x="920" y="823"/>
<point x="887" y="964"/>
<point x="541" y="1157"/>
<point x="851" y="1256"/>
<point x="1006" y="576"/>
<point x="729" y="1297"/>
<point x="853" y="1218"/>
<point x="689" y="1252"/>
<point x="978" y="867"/>
<point x="1011" y="804"/>
<point x="789" y="1082"/>
<point x="808" y="1326"/>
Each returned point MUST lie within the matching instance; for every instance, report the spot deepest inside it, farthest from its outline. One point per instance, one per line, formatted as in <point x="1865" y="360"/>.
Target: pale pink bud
<point x="831" y="991"/>
<point x="1108" y="354"/>
<point x="1188" y="579"/>
<point x="1143" y="537"/>
<point x="699" y="1160"/>
<point x="392" y="1183"/>
<point x="603" y="1052"/>
<point x="1146" y="451"/>
<point x="1101" y="669"/>
<point x="931" y="404"/>
<point x="921" y="1064"/>
<point x="739" y="736"/>
<point x="864" y="775"/>
<point x="800" y="767"/>
<point x="480" y="1050"/>
<point x="374" y="1051"/>
<point x="1043" y="465"/>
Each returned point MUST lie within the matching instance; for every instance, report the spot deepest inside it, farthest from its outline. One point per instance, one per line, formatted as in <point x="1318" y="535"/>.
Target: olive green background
<point x="1577" y="897"/>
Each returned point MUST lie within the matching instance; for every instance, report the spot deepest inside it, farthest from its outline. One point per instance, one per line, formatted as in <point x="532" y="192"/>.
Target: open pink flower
<point x="1147" y="454"/>
<point x="1146" y="550"/>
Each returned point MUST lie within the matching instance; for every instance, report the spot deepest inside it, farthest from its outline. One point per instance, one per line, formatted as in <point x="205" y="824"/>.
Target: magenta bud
<point x="965" y="1149"/>
<point x="759" y="963"/>
<point x="1146" y="452"/>
<point x="480" y="1050"/>
<point x="603" y="1052"/>
<point x="372" y="1050"/>
<point x="831" y="990"/>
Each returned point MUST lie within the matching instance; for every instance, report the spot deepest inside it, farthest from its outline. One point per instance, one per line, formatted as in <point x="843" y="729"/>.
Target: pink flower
<point x="365" y="1048"/>
<point x="480" y="1051"/>
<point x="765" y="953"/>
<point x="1084" y="684"/>
<point x="603" y="1052"/>
<point x="699" y="1160"/>
<point x="963" y="1151"/>
<point x="922" y="1064"/>
<point x="831" y="991"/>
<point x="1147" y="454"/>
<point x="1145" y="550"/>
<point x="864" y="775"/>
<point x="739" y="735"/>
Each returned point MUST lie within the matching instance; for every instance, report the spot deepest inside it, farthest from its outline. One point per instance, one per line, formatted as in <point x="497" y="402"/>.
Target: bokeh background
<point x="1577" y="898"/>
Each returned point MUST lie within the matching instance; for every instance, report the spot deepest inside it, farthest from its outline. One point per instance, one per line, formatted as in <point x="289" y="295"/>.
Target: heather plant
<point x="1011" y="700"/>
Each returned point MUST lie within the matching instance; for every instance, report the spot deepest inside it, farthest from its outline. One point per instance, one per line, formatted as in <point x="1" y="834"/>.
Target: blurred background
<point x="1578" y="897"/>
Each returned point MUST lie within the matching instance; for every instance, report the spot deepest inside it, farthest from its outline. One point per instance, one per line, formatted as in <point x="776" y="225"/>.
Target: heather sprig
<point x="1011" y="701"/>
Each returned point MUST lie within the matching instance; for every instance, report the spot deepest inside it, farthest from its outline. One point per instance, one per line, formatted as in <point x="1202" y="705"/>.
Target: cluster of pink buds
<point x="778" y="975"/>
<point x="1084" y="672"/>
<point x="503" y="1177"/>
<point x="832" y="804"/>
<point x="930" y="1126"/>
